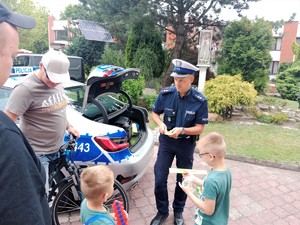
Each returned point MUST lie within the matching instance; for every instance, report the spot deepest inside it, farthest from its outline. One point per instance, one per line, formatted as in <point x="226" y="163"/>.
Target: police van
<point x="26" y="63"/>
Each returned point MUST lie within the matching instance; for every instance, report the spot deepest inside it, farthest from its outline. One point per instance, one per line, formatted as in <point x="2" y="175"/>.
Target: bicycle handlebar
<point x="70" y="144"/>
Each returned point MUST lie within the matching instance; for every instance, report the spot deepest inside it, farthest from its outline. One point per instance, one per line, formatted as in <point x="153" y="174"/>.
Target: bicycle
<point x="65" y="196"/>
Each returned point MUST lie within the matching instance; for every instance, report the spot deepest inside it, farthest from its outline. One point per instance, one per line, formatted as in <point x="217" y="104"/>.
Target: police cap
<point x="183" y="68"/>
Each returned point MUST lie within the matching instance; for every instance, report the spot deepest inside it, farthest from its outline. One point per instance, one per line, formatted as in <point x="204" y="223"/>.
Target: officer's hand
<point x="162" y="128"/>
<point x="175" y="132"/>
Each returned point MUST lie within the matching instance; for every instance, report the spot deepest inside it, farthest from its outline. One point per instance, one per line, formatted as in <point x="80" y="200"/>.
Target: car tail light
<point x="109" y="145"/>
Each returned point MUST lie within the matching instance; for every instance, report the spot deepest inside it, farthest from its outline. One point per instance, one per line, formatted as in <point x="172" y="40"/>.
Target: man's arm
<point x="195" y="130"/>
<point x="159" y="122"/>
<point x="72" y="130"/>
<point x="11" y="115"/>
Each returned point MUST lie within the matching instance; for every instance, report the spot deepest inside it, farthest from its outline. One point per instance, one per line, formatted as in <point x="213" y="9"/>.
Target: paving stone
<point x="260" y="195"/>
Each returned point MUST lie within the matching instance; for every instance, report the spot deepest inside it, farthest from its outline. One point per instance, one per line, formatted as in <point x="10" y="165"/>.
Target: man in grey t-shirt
<point x="40" y="102"/>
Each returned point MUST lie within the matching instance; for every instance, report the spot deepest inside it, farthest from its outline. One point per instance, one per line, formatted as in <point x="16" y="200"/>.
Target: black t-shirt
<point x="22" y="178"/>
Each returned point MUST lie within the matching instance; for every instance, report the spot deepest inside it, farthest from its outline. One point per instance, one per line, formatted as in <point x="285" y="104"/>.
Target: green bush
<point x="284" y="66"/>
<point x="226" y="91"/>
<point x="274" y="117"/>
<point x="288" y="91"/>
<point x="286" y="85"/>
<point x="263" y="118"/>
<point x="147" y="61"/>
<point x="149" y="101"/>
<point x="112" y="57"/>
<point x="278" y="117"/>
<point x="134" y="88"/>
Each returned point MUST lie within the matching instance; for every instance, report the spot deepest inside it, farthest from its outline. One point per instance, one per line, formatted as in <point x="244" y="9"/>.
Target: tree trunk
<point x="180" y="38"/>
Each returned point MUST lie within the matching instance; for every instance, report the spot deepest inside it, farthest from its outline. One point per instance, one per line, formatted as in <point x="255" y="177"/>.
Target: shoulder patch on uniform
<point x="167" y="90"/>
<point x="199" y="96"/>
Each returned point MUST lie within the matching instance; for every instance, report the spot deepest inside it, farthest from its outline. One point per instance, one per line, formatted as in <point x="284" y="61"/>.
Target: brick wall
<point x="289" y="36"/>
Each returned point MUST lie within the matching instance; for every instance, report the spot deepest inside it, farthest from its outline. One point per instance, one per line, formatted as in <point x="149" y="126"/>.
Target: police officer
<point x="185" y="113"/>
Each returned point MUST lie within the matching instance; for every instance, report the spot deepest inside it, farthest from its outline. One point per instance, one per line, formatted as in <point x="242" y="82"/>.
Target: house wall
<point x="289" y="36"/>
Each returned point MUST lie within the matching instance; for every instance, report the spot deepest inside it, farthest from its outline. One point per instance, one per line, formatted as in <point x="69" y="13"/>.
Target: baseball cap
<point x="19" y="20"/>
<point x="57" y="66"/>
<point x="183" y="68"/>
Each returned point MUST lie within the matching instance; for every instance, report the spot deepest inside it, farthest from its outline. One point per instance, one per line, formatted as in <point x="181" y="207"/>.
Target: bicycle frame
<point x="65" y="196"/>
<point x="69" y="166"/>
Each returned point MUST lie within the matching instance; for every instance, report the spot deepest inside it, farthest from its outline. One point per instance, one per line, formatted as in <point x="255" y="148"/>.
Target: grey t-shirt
<point x="43" y="113"/>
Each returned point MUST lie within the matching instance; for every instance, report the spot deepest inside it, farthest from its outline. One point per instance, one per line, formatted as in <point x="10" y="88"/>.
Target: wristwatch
<point x="182" y="130"/>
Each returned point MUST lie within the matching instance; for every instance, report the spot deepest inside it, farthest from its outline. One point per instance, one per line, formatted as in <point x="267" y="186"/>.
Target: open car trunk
<point x="102" y="104"/>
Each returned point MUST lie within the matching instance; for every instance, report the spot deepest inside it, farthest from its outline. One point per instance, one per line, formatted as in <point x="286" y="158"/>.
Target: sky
<point x="268" y="9"/>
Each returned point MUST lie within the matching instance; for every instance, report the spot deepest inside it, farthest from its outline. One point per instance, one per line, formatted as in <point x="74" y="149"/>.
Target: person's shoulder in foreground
<point x="22" y="191"/>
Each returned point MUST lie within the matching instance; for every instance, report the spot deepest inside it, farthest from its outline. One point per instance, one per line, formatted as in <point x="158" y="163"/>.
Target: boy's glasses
<point x="201" y="154"/>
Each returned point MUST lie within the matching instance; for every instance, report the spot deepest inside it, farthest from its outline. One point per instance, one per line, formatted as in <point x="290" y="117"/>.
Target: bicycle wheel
<point x="120" y="195"/>
<point x="66" y="205"/>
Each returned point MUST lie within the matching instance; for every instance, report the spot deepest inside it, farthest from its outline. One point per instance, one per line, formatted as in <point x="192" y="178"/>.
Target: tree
<point x="76" y="12"/>
<point x="144" y="49"/>
<point x="81" y="47"/>
<point x="245" y="50"/>
<point x="35" y="40"/>
<point x="185" y="17"/>
<point x="112" y="57"/>
<point x="118" y="15"/>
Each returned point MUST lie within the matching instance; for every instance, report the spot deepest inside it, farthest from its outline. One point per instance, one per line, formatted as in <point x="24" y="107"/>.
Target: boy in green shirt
<point x="213" y="200"/>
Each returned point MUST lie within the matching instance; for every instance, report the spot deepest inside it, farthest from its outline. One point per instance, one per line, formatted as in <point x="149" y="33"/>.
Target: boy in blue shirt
<point x="214" y="198"/>
<point x="97" y="185"/>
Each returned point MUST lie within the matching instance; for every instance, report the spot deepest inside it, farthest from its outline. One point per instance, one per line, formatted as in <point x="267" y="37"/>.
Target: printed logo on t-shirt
<point x="54" y="102"/>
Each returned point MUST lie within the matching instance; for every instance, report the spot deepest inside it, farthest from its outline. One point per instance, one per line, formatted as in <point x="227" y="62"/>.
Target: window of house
<point x="277" y="44"/>
<point x="298" y="41"/>
<point x="61" y="35"/>
<point x="274" y="67"/>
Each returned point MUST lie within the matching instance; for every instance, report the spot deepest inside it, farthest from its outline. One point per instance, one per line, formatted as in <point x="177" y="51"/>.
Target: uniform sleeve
<point x="158" y="105"/>
<point x="202" y="114"/>
<point x="19" y="100"/>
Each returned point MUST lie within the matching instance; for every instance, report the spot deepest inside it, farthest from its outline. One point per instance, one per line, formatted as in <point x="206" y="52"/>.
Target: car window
<point x="21" y="61"/>
<point x="75" y="96"/>
<point x="4" y="95"/>
<point x="109" y="101"/>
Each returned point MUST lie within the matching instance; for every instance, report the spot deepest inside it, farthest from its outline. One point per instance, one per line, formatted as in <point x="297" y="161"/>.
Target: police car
<point x="113" y="131"/>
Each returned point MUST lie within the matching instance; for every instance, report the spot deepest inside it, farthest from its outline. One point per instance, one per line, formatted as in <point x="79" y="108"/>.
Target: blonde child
<point x="97" y="185"/>
<point x="213" y="200"/>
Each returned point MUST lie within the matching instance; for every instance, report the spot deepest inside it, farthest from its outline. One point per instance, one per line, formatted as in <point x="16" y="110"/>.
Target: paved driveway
<point x="260" y="196"/>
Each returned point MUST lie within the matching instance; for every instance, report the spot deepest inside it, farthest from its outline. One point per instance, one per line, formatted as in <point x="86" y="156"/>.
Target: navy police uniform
<point x="186" y="111"/>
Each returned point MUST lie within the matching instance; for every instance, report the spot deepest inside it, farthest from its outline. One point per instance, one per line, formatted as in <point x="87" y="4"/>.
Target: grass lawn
<point x="279" y="102"/>
<point x="265" y="142"/>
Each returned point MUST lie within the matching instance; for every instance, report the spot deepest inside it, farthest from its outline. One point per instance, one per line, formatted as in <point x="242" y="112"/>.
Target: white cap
<point x="57" y="66"/>
<point x="183" y="68"/>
